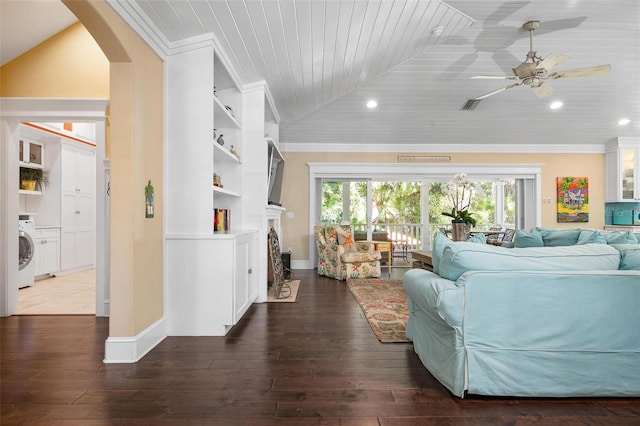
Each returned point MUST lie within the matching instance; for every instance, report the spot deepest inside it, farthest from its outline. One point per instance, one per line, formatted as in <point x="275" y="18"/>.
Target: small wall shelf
<point x="25" y="192"/>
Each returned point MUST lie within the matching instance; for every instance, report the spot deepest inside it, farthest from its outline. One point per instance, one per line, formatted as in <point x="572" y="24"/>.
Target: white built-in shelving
<point x="213" y="277"/>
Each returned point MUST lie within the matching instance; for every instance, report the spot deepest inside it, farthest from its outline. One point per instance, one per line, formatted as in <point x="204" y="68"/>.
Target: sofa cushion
<point x="559" y="237"/>
<point x="591" y="236"/>
<point x="620" y="237"/>
<point x="441" y="241"/>
<point x="629" y="256"/>
<point x="528" y="239"/>
<point x="461" y="257"/>
<point x="359" y="256"/>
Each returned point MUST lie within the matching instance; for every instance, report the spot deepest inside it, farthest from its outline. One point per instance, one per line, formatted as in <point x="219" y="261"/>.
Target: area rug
<point x="294" y="285"/>
<point x="384" y="303"/>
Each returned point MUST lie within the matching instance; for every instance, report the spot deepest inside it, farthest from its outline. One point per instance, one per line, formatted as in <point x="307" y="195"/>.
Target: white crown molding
<point x="444" y="148"/>
<point x="53" y="109"/>
<point x="418" y="170"/>
<point x="131" y="13"/>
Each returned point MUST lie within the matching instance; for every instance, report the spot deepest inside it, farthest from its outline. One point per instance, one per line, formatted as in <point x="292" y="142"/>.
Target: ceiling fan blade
<point x="495" y="92"/>
<point x="552" y="61"/>
<point x="598" y="70"/>
<point x="494" y="77"/>
<point x="543" y="90"/>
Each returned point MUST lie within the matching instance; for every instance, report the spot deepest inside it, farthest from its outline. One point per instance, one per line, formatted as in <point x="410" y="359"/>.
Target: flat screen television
<point x="276" y="170"/>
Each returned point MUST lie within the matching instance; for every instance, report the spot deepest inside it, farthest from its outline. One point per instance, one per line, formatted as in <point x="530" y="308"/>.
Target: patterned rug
<point x="287" y="295"/>
<point x="384" y="303"/>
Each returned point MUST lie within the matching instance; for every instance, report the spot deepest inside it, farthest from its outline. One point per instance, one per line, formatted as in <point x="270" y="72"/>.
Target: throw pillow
<point x="525" y="239"/>
<point x="478" y="238"/>
<point x="345" y="239"/>
<point x="440" y="241"/>
<point x="559" y="237"/>
<point x="629" y="256"/>
<point x="591" y="236"/>
<point x="620" y="237"/>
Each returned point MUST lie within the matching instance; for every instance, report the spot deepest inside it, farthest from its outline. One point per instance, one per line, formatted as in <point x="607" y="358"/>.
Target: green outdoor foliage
<point x="399" y="203"/>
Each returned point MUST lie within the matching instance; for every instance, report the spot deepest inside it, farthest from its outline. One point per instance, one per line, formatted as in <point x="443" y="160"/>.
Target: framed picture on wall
<point x="573" y="199"/>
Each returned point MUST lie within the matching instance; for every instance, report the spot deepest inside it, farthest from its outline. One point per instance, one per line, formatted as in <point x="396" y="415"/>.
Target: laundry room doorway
<point x="65" y="231"/>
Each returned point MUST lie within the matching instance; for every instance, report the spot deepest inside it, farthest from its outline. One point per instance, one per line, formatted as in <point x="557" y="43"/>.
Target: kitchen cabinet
<point x="47" y="251"/>
<point x="622" y="169"/>
<point x="31" y="154"/>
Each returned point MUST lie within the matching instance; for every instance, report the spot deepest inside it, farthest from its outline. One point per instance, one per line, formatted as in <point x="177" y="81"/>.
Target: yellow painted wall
<point x="72" y="65"/>
<point x="136" y="108"/>
<point x="295" y="191"/>
<point x="68" y="65"/>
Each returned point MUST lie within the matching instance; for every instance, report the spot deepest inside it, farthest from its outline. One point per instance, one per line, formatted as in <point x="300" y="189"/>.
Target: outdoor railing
<point x="408" y="236"/>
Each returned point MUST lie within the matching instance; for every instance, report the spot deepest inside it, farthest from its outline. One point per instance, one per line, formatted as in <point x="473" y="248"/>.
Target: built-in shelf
<point x="219" y="190"/>
<point x="223" y="117"/>
<point x="25" y="192"/>
<point x="30" y="165"/>
<point x="226" y="154"/>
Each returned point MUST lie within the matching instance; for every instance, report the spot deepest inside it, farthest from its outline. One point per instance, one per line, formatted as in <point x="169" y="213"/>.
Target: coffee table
<point x="423" y="258"/>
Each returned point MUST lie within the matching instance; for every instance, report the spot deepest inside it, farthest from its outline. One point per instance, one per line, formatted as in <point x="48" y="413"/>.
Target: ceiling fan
<point x="534" y="70"/>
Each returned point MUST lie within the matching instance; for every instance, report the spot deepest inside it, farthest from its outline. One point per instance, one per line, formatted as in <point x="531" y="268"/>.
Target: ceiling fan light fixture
<point x="556" y="105"/>
<point x="372" y="104"/>
<point x="623" y="121"/>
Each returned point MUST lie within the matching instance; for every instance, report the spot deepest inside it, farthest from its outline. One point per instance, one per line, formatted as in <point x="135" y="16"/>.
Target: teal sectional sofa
<point x="554" y="321"/>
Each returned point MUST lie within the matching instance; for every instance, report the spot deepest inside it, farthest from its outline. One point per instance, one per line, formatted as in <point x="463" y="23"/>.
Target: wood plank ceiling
<point x="323" y="59"/>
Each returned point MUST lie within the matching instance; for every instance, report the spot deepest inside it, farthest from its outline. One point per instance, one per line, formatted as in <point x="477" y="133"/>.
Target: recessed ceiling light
<point x="623" y="121"/>
<point x="372" y="104"/>
<point x="556" y="105"/>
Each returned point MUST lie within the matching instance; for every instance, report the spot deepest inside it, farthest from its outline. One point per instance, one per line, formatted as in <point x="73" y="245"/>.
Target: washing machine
<point x="26" y="263"/>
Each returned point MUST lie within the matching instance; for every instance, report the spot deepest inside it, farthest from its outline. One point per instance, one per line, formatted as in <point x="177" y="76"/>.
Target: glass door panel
<point x="628" y="178"/>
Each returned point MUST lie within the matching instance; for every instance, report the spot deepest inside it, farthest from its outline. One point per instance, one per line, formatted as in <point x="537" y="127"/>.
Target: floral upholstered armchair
<point x="340" y="257"/>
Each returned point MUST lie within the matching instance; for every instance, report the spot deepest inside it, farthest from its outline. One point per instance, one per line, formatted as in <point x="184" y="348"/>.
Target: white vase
<point x="460" y="231"/>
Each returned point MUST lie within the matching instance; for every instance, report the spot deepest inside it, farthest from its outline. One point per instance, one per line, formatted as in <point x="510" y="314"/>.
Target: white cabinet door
<point x="241" y="282"/>
<point x="78" y="207"/>
<point x="50" y="250"/>
<point x="37" y="256"/>
<point x="85" y="171"/>
<point x="245" y="285"/>
<point x="68" y="179"/>
<point x="31" y="154"/>
<point x="622" y="167"/>
<point x="47" y="251"/>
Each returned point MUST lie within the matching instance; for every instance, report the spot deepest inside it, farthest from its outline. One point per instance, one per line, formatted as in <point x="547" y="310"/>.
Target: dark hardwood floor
<point x="313" y="362"/>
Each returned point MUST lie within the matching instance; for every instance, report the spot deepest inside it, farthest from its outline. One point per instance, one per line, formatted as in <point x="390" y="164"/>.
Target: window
<point x="407" y="199"/>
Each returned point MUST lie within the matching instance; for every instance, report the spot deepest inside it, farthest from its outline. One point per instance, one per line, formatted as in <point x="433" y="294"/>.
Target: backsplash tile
<point x="615" y="209"/>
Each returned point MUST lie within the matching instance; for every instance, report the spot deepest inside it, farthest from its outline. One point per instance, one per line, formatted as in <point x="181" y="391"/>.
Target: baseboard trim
<point x="302" y="264"/>
<point x="124" y="350"/>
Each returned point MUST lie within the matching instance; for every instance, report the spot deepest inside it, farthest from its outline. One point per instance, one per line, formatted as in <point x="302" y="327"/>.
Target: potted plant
<point x="461" y="190"/>
<point x="32" y="179"/>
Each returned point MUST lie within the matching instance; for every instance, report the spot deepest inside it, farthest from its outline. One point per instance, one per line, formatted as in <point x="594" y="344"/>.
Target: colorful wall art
<point x="573" y="199"/>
